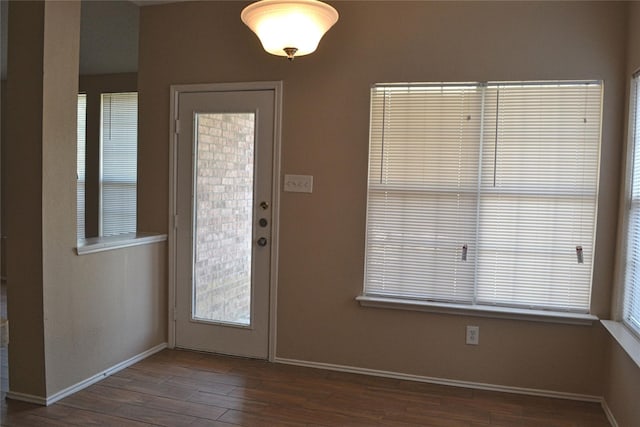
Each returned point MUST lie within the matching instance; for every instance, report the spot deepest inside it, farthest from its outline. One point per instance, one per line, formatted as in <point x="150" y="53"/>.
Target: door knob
<point x="262" y="241"/>
<point x="263" y="222"/>
<point x="264" y="205"/>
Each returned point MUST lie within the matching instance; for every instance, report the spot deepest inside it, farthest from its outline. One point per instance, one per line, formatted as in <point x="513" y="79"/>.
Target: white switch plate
<point x="298" y="183"/>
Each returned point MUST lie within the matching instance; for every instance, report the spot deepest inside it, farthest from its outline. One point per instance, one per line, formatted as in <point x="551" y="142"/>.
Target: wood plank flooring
<point x="180" y="388"/>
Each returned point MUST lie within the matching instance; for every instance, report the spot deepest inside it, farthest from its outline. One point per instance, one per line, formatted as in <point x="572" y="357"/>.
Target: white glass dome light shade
<point x="282" y="25"/>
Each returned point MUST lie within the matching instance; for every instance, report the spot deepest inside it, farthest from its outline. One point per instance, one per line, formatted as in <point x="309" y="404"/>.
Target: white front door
<point x="223" y="236"/>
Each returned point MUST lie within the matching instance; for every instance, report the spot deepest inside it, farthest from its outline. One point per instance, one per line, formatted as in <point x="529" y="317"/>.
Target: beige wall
<point x="622" y="374"/>
<point x="71" y="316"/>
<point x="22" y="162"/>
<point x="622" y="386"/>
<point x="3" y="189"/>
<point x="325" y="134"/>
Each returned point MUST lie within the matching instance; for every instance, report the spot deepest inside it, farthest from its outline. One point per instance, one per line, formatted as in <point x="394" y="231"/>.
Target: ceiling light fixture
<point x="289" y="27"/>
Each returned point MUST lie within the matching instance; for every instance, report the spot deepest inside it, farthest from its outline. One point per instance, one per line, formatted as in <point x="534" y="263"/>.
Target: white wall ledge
<point x="101" y="244"/>
<point x="478" y="311"/>
<point x="627" y="340"/>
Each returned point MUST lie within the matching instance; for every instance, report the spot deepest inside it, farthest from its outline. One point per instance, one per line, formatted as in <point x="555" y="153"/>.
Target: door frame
<point x="174" y="129"/>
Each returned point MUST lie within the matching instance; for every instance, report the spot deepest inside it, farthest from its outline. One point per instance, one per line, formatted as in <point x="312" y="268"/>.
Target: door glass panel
<point x="223" y="217"/>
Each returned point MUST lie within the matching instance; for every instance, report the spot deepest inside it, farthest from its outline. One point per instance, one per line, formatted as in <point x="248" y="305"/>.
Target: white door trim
<point x="175" y="91"/>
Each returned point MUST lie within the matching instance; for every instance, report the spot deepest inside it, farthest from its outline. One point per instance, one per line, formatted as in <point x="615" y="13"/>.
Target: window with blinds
<point x="484" y="194"/>
<point x="80" y="165"/>
<point x="631" y="310"/>
<point x="118" y="175"/>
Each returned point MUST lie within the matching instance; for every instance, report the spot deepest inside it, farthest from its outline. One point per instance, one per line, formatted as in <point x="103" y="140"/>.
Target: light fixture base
<point x="290" y="51"/>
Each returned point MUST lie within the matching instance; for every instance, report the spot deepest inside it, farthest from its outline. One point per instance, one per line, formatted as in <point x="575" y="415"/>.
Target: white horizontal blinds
<point x="512" y="165"/>
<point x="119" y="163"/>
<point x="422" y="191"/>
<point x="631" y="315"/>
<point x="538" y="195"/>
<point x="80" y="165"/>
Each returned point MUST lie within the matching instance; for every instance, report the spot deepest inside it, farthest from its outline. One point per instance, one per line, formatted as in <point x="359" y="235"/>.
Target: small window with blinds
<point x="80" y="165"/>
<point x="118" y="175"/>
<point x="484" y="194"/>
<point x="631" y="309"/>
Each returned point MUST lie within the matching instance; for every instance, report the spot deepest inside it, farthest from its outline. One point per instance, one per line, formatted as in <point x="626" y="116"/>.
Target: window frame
<point x="93" y="87"/>
<point x="94" y="128"/>
<point x="81" y="167"/>
<point x="102" y="182"/>
<point x="545" y="314"/>
<point x="632" y="155"/>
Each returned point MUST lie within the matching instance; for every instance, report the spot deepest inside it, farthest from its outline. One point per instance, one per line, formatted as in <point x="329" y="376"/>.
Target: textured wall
<point x="325" y="130"/>
<point x="622" y="374"/>
<point x="71" y="316"/>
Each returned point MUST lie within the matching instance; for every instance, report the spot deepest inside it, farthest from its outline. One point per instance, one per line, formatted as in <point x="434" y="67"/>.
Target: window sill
<point x="101" y="244"/>
<point x="627" y="340"/>
<point x="479" y="311"/>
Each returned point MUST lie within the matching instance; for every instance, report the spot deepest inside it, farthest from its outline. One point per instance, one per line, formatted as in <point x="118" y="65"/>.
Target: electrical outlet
<point x="473" y="335"/>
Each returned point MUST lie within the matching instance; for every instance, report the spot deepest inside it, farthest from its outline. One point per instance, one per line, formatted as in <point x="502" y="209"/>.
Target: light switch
<point x="298" y="183"/>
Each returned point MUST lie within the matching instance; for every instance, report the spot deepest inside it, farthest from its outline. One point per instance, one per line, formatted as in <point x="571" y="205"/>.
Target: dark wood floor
<point x="180" y="388"/>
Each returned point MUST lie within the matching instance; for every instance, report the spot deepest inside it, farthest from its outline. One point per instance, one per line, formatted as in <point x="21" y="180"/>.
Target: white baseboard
<point x="441" y="381"/>
<point x="87" y="382"/>
<point x="29" y="398"/>
<point x="609" y="414"/>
